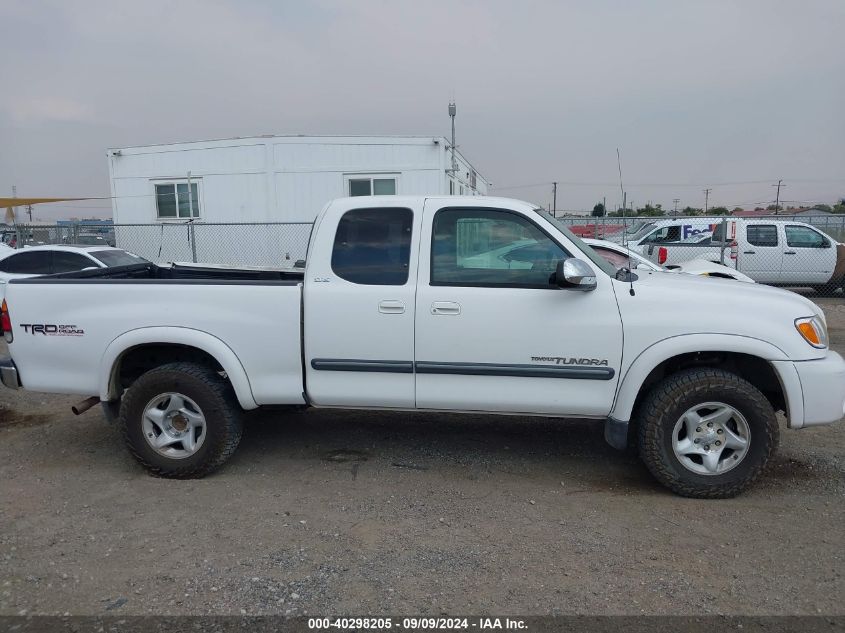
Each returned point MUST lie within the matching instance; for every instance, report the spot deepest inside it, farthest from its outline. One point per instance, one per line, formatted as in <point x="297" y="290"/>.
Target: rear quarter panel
<point x="260" y="323"/>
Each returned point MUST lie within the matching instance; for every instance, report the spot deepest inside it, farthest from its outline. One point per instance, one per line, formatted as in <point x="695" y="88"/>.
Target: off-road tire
<point x="213" y="394"/>
<point x="674" y="395"/>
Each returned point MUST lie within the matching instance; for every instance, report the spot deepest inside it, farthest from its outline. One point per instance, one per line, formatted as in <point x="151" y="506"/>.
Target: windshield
<point x="594" y="257"/>
<point x="118" y="257"/>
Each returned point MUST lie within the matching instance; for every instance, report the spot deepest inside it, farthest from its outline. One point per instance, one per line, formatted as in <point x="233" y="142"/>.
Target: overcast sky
<point x="694" y="93"/>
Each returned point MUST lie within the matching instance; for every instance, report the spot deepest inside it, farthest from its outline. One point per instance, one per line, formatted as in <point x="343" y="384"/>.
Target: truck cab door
<point x="760" y="253"/>
<point x="492" y="332"/>
<point x="809" y="256"/>
<point x="359" y="305"/>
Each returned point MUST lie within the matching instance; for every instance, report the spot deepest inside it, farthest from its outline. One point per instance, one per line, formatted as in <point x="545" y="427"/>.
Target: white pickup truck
<point x="777" y="252"/>
<point x="413" y="303"/>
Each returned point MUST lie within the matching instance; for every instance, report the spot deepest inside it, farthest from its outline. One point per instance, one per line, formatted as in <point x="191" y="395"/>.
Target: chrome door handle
<point x="445" y="307"/>
<point x="391" y="306"/>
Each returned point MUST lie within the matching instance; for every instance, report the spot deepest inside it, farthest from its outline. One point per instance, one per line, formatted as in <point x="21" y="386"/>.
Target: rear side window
<point x="37" y="263"/>
<point x="763" y="235"/>
<point x="64" y="262"/>
<point x="373" y="246"/>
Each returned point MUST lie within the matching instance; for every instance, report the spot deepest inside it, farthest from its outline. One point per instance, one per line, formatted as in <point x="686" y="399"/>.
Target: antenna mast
<point x="452" y="111"/>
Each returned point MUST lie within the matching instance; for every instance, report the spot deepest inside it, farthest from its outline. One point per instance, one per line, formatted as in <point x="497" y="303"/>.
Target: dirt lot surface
<point x="348" y="512"/>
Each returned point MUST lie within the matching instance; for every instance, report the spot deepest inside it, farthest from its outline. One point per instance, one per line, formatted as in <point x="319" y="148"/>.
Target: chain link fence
<point x="792" y="251"/>
<point x="278" y="244"/>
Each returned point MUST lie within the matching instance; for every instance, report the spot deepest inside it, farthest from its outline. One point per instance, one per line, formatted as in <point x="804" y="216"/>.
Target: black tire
<point x="216" y="399"/>
<point x="829" y="289"/>
<point x="671" y="398"/>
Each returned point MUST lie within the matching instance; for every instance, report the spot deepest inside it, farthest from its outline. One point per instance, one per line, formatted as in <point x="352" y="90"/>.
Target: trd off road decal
<point x="561" y="360"/>
<point x="50" y="329"/>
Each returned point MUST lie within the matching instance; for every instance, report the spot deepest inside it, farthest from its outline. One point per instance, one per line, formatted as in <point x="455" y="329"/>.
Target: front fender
<point x="209" y="344"/>
<point x="639" y="369"/>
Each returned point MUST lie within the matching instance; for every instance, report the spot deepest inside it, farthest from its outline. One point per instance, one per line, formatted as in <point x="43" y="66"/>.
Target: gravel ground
<point x="352" y="512"/>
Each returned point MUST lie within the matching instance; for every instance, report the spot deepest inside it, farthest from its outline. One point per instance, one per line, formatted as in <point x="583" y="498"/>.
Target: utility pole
<point x="676" y="201"/>
<point x="18" y="234"/>
<point x="706" y="199"/>
<point x="777" y="197"/>
<point x="554" y="199"/>
<point x="29" y="211"/>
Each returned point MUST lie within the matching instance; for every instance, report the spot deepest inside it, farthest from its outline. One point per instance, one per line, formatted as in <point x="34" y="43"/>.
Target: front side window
<point x="173" y="201"/>
<point x="762" y="234"/>
<point x="483" y="247"/>
<point x="373" y="246"/>
<point x="37" y="263"/>
<point x="371" y="186"/>
<point x="804" y="237"/>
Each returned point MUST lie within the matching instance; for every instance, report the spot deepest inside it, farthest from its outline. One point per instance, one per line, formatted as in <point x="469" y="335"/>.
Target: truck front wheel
<point x="706" y="433"/>
<point x="181" y="420"/>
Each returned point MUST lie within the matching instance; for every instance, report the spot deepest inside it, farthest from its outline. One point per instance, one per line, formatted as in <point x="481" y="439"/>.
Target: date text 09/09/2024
<point x="417" y="623"/>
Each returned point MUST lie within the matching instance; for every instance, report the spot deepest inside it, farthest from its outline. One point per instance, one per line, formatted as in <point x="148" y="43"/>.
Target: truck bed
<point x="251" y="315"/>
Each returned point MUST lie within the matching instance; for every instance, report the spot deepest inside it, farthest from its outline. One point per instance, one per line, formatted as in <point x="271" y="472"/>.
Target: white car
<point x="51" y="259"/>
<point x="618" y="256"/>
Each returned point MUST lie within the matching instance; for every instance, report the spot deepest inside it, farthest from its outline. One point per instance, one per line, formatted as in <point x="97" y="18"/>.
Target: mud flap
<point x="838" y="270"/>
<point x="616" y="433"/>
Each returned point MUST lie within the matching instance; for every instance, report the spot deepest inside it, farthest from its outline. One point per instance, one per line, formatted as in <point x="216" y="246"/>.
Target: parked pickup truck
<point x="413" y="303"/>
<point x="777" y="252"/>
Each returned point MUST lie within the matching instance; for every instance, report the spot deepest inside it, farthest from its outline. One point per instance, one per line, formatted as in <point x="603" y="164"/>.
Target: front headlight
<point x="814" y="331"/>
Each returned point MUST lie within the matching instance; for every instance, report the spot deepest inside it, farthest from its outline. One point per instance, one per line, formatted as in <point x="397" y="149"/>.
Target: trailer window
<point x="174" y="202"/>
<point x="371" y="186"/>
<point x="373" y="246"/>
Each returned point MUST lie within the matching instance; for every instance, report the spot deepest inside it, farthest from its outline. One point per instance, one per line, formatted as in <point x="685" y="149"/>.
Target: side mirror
<point x="825" y="244"/>
<point x="573" y="274"/>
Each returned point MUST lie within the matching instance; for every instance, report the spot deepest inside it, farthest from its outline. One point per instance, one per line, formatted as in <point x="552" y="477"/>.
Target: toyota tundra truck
<point x="433" y="304"/>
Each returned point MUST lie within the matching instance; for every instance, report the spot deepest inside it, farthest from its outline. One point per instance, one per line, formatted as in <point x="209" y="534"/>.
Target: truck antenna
<point x="625" y="226"/>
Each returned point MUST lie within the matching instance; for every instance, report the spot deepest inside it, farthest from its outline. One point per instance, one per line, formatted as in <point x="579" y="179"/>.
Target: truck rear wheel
<point x="706" y="433"/>
<point x="181" y="420"/>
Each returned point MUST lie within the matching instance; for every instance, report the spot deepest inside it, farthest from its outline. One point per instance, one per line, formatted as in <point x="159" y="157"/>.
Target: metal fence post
<point x="193" y="237"/>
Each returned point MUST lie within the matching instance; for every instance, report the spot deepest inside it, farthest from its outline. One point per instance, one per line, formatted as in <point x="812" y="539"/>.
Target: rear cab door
<point x="359" y="293"/>
<point x="492" y="332"/>
<point x="760" y="250"/>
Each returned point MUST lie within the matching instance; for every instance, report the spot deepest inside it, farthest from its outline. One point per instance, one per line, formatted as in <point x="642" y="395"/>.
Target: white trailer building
<point x="277" y="178"/>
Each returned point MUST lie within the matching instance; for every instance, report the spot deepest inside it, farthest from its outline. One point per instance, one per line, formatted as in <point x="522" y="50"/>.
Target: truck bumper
<point x="823" y="388"/>
<point x="9" y="373"/>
